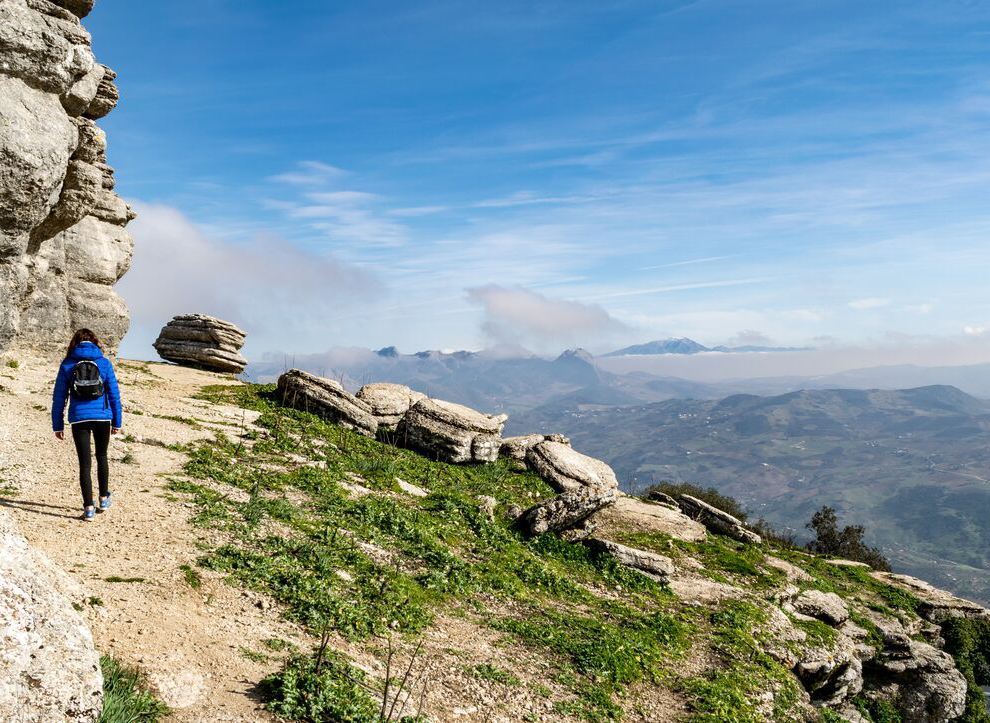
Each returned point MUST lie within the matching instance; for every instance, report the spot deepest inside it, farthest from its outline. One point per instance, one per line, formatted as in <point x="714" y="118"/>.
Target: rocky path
<point x="192" y="643"/>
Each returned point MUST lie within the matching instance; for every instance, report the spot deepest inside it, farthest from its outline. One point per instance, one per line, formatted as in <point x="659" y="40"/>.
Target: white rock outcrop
<point x="566" y="469"/>
<point x="389" y="402"/>
<point x="451" y="432"/>
<point x="328" y="399"/>
<point x="49" y="669"/>
<point x="63" y="243"/>
<point x="203" y="342"/>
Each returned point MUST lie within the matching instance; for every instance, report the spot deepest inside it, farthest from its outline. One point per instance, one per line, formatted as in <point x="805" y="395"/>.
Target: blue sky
<point x="465" y="174"/>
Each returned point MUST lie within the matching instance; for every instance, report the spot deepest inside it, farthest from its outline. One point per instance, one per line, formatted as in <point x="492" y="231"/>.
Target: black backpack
<point x="87" y="382"/>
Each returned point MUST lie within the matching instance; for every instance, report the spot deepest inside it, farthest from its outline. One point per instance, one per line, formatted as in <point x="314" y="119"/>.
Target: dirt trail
<point x="189" y="641"/>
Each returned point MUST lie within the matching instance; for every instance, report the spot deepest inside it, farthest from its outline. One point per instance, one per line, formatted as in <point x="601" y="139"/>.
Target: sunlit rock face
<point x="63" y="242"/>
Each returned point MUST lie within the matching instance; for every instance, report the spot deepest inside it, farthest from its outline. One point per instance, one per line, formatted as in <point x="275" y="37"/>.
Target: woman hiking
<point x="86" y="378"/>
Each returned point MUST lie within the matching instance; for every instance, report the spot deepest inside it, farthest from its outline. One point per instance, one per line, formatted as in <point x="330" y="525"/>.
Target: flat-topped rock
<point x="451" y="432"/>
<point x="632" y="513"/>
<point x="566" y="511"/>
<point x="49" y="668"/>
<point x="716" y="520"/>
<point x="202" y="342"/>
<point x="326" y="398"/>
<point x="936" y="605"/>
<point x="658" y="566"/>
<point x="565" y="469"/>
<point x="515" y="448"/>
<point x="389" y="402"/>
<point x="825" y="606"/>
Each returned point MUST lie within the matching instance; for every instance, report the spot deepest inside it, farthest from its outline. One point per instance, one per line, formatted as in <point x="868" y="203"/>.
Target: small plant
<point x="252" y="655"/>
<point x="128" y="458"/>
<point x="191" y="577"/>
<point x="123" y="699"/>
<point x="486" y="671"/>
<point x="117" y="578"/>
<point x="12" y="364"/>
<point x="278" y="645"/>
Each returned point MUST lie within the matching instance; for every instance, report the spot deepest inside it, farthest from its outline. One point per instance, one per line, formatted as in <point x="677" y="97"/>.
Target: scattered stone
<point x="389" y="402"/>
<point x="513" y="511"/>
<point x="566" y="510"/>
<point x="838" y="562"/>
<point x="411" y="489"/>
<point x="566" y="469"/>
<point x="825" y="606"/>
<point x="658" y="566"/>
<point x="176" y="681"/>
<point x="202" y="342"/>
<point x="793" y="573"/>
<point x="487" y="504"/>
<point x="328" y="399"/>
<point x="451" y="432"/>
<point x="49" y="668"/>
<point x="716" y="520"/>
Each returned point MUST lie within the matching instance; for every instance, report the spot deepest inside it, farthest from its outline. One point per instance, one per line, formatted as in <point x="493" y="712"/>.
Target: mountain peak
<point x="662" y="346"/>
<point x="577" y="354"/>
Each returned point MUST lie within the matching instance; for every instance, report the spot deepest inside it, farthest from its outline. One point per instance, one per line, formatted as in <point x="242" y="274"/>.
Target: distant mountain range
<point x="912" y="466"/>
<point x="689" y="346"/>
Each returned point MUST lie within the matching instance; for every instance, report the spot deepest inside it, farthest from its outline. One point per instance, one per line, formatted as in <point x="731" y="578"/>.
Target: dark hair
<point x="79" y="337"/>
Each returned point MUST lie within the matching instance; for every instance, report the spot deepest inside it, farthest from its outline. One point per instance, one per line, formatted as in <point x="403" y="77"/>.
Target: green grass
<point x="494" y="674"/>
<point x="12" y="364"/>
<point x="117" y="578"/>
<point x="123" y="699"/>
<point x="191" y="577"/>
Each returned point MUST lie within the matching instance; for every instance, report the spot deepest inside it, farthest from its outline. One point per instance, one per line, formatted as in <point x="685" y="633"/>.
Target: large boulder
<point x="657" y="566"/>
<point x="825" y="606"/>
<point x="328" y="399"/>
<point x="515" y="448"/>
<point x="49" y="669"/>
<point x="922" y="681"/>
<point x="63" y="243"/>
<point x="389" y="402"/>
<point x="451" y="432"/>
<point x="716" y="520"/>
<point x="636" y="515"/>
<point x="566" y="511"/>
<point x="565" y="469"/>
<point x="203" y="342"/>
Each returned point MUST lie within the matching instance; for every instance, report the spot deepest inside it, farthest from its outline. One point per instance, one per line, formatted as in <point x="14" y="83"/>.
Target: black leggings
<point x="101" y="435"/>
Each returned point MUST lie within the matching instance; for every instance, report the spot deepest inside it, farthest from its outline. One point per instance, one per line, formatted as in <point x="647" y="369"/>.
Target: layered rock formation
<point x="389" y="402"/>
<point x="49" y="669"/>
<point x="63" y="243"/>
<point x="326" y="398"/>
<point x="566" y="469"/>
<point x="204" y="342"/>
<point x="451" y="432"/>
<point x="716" y="520"/>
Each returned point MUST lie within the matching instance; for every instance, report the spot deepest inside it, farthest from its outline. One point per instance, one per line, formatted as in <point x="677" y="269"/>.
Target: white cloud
<point x="520" y="316"/>
<point x="868" y="303"/>
<point x="310" y="173"/>
<point x="976" y="330"/>
<point x="270" y="288"/>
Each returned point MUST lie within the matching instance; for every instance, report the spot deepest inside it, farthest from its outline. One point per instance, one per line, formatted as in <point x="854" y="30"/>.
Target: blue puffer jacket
<point x="106" y="408"/>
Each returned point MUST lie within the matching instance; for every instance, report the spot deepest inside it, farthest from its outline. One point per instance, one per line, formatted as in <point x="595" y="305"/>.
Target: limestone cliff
<point x="63" y="243"/>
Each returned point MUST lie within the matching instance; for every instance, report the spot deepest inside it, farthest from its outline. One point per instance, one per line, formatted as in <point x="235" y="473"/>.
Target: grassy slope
<point x="384" y="564"/>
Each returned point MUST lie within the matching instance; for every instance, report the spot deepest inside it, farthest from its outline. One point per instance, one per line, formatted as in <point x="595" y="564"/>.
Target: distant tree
<point x="706" y="494"/>
<point x="846" y="543"/>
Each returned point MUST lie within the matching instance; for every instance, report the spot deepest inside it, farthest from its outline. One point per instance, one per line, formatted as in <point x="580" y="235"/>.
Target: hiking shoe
<point x="89" y="514"/>
<point x="105" y="503"/>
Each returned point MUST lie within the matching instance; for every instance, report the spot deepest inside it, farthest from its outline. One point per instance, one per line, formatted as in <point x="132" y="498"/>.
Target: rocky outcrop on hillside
<point x="389" y="402"/>
<point x="566" y="469"/>
<point x="202" y="342"/>
<point x="328" y="399"/>
<point x="451" y="432"/>
<point x="515" y="448"/>
<point x="63" y="243"/>
<point x="716" y="520"/>
<point x="49" y="669"/>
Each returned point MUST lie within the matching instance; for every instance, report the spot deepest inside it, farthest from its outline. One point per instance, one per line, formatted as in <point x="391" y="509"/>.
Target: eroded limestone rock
<point x="203" y="342"/>
<point x="515" y="448"/>
<point x="57" y="207"/>
<point x="716" y="520"/>
<point x="49" y="669"/>
<point x="389" y="402"/>
<point x="566" y="510"/>
<point x="658" y="566"/>
<point x="326" y="398"/>
<point x="566" y="469"/>
<point x="451" y="432"/>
